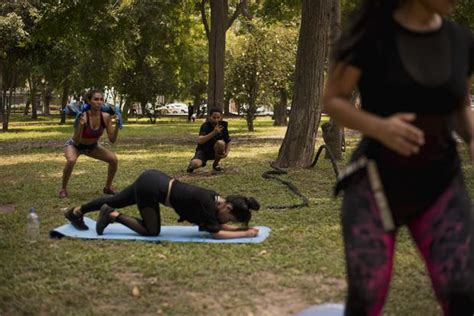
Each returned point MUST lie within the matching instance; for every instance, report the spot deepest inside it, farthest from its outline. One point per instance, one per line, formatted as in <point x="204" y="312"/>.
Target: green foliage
<point x="161" y="51"/>
<point x="465" y="14"/>
<point x="260" y="62"/>
<point x="280" y="10"/>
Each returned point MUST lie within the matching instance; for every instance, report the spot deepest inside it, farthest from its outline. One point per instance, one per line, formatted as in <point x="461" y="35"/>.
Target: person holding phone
<point x="213" y="142"/>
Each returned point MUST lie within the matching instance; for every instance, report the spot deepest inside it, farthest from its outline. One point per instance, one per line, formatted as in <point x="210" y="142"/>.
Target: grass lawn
<point x="299" y="265"/>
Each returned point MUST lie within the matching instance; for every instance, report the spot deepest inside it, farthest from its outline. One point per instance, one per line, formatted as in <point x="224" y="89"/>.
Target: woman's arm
<point x="224" y="234"/>
<point x="231" y="228"/>
<point x="79" y="128"/>
<point x="112" y="131"/>
<point x="395" y="132"/>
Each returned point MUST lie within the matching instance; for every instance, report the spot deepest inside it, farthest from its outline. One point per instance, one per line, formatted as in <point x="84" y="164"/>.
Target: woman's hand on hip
<point x="399" y="134"/>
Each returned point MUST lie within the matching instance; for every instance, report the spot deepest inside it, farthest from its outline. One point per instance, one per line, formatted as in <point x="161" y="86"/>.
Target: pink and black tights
<point x="442" y="233"/>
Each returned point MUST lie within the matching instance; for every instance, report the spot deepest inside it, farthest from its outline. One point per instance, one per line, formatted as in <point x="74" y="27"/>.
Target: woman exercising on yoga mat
<point x="412" y="67"/>
<point x="193" y="204"/>
<point x="89" y="129"/>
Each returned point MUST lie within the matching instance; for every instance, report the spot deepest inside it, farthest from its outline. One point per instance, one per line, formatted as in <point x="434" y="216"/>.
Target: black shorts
<point x="81" y="148"/>
<point x="204" y="156"/>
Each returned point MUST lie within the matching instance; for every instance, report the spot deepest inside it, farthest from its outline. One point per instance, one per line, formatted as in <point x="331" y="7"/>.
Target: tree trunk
<point x="8" y="110"/>
<point x="3" y="111"/>
<point x="47" y="96"/>
<point x="34" y="105"/>
<point x="226" y="106"/>
<point x="298" y="145"/>
<point x="280" y="109"/>
<point x="64" y="99"/>
<point x="215" y="87"/>
<point x="33" y="97"/>
<point x="2" y="95"/>
<point x="125" y="109"/>
<point x="27" y="106"/>
<point x="333" y="134"/>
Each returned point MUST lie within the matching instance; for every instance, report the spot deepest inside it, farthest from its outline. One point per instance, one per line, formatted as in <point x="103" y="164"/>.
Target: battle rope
<point x="273" y="174"/>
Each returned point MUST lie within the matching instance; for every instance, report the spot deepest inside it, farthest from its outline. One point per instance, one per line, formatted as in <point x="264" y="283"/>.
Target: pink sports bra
<point x="90" y="133"/>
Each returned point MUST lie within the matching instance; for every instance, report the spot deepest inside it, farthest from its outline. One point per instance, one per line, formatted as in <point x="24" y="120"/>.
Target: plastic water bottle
<point x="32" y="232"/>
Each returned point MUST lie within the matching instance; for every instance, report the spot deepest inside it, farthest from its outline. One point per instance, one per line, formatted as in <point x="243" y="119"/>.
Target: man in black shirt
<point x="213" y="142"/>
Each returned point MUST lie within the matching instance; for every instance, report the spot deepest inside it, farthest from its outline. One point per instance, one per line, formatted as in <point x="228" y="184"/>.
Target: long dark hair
<point x="371" y="19"/>
<point x="241" y="207"/>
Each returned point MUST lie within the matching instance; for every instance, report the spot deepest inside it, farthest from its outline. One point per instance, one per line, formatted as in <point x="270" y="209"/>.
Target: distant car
<point x="173" y="108"/>
<point x="262" y="111"/>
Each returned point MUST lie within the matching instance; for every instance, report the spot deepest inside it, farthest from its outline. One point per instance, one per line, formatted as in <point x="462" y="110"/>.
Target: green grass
<point x="300" y="264"/>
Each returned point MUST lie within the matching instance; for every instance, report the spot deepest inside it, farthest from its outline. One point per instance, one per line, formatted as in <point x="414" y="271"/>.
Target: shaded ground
<point x="299" y="265"/>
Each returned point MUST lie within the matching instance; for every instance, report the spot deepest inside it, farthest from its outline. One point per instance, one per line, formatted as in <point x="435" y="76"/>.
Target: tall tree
<point x="252" y="74"/>
<point x="16" y="23"/>
<point x="221" y="21"/>
<point x="333" y="134"/>
<point x="298" y="145"/>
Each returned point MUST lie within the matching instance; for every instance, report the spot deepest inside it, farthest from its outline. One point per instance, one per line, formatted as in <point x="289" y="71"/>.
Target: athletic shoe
<point x="189" y="169"/>
<point x="111" y="191"/>
<point x="217" y="168"/>
<point x="76" y="221"/>
<point x="62" y="193"/>
<point x="104" y="219"/>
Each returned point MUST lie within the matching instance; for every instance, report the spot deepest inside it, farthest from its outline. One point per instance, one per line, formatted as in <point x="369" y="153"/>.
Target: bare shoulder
<point x="106" y="116"/>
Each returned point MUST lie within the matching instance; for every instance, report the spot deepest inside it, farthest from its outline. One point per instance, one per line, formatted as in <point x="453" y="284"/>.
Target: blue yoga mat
<point x="168" y="233"/>
<point x="323" y="310"/>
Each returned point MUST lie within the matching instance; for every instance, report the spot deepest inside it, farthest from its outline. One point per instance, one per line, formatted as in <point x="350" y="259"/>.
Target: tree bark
<point x="27" y="106"/>
<point x="2" y="97"/>
<point x="298" y="145"/>
<point x="280" y="109"/>
<point x="3" y="115"/>
<point x="8" y="109"/>
<point x="333" y="134"/>
<point x="215" y="88"/>
<point x="47" y="96"/>
<point x="220" y="22"/>
<point x="33" y="97"/>
<point x="34" y="105"/>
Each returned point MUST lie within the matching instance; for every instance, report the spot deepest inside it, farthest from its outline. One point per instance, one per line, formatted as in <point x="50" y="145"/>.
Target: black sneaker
<point x="104" y="219"/>
<point x="217" y="168"/>
<point x="76" y="221"/>
<point x="189" y="169"/>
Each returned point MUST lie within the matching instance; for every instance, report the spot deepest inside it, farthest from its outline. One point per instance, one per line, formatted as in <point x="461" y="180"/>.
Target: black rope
<point x="331" y="157"/>
<point x="275" y="172"/>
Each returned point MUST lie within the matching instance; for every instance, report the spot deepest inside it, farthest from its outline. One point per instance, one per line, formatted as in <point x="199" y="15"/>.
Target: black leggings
<point x="443" y="235"/>
<point x="147" y="192"/>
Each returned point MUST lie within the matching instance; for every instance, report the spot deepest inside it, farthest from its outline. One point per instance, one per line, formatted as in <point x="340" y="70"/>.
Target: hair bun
<point x="253" y="204"/>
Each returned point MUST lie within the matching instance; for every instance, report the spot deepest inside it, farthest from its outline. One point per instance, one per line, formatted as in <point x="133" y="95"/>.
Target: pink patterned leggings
<point x="443" y="235"/>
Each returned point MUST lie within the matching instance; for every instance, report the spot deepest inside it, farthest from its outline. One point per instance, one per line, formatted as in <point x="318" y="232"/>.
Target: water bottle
<point x="32" y="233"/>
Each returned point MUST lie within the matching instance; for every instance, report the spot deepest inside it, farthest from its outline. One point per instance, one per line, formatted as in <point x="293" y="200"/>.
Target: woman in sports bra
<point x="413" y="69"/>
<point x="89" y="129"/>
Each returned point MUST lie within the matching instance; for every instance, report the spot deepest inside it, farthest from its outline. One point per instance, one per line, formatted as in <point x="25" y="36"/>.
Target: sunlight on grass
<point x="302" y="260"/>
